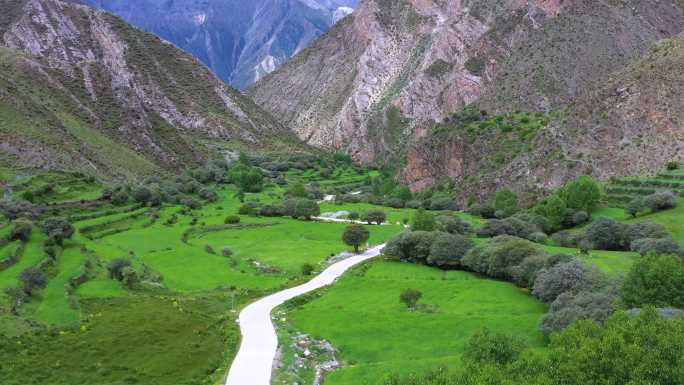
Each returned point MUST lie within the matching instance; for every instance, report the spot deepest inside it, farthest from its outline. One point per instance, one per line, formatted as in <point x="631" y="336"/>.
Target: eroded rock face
<point x="129" y="86"/>
<point x="375" y="85"/>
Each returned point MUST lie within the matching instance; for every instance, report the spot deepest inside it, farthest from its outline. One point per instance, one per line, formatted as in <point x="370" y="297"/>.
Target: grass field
<point x="376" y="335"/>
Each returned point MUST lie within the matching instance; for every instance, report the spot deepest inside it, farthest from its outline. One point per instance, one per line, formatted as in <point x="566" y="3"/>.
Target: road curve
<point x="254" y="361"/>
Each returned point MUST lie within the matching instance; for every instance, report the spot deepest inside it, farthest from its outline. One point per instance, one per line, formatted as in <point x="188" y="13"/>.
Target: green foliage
<point x="32" y="279"/>
<point x="634" y="207"/>
<point x="58" y="229"/>
<point x="375" y="216"/>
<point x="655" y="281"/>
<point x="485" y="347"/>
<point x="355" y="235"/>
<point x="246" y="178"/>
<point x="232" y="219"/>
<point x="410" y="298"/>
<point x="298" y="190"/>
<point x="447" y="250"/>
<point x="308" y="269"/>
<point x="116" y="267"/>
<point x="423" y="221"/>
<point x="302" y="208"/>
<point x="555" y="210"/>
<point x="21" y="230"/>
<point x="584" y="194"/>
<point x="505" y="203"/>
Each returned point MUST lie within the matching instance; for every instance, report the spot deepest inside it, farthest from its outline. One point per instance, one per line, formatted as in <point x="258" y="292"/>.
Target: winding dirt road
<point x="254" y="361"/>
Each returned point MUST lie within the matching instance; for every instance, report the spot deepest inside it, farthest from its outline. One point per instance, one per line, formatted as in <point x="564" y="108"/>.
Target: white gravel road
<point x="254" y="361"/>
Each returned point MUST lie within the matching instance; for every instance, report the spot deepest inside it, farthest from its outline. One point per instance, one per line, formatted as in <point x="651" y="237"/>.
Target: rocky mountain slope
<point x="376" y="84"/>
<point x="240" y="41"/>
<point x="82" y="90"/>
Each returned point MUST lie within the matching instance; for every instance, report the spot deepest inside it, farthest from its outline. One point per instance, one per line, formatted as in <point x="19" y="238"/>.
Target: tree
<point x="582" y="194"/>
<point x="142" y="194"/>
<point x="452" y="224"/>
<point x="486" y="347"/>
<point x="607" y="234"/>
<point x="21" y="230"/>
<point x="308" y="269"/>
<point x="403" y="193"/>
<point x="58" y="229"/>
<point x="116" y="266"/>
<point x="246" y="178"/>
<point x="17" y="297"/>
<point x="302" y="208"/>
<point x="129" y="277"/>
<point x="423" y="221"/>
<point x="32" y="279"/>
<point x="297" y="190"/>
<point x="661" y="201"/>
<point x="659" y="246"/>
<point x="448" y="249"/>
<point x="656" y="280"/>
<point x="410" y="298"/>
<point x="635" y="206"/>
<point x="555" y="211"/>
<point x="232" y="220"/>
<point x="411" y="246"/>
<point x="355" y="235"/>
<point x="375" y="216"/>
<point x="556" y="280"/>
<point x="505" y="203"/>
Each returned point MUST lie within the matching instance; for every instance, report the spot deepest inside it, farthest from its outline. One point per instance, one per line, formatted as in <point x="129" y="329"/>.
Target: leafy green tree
<point x="58" y="229"/>
<point x="32" y="279"/>
<point x="302" y="208"/>
<point x="655" y="280"/>
<point x="423" y="221"/>
<point x="17" y="297"/>
<point x="116" y="267"/>
<point x="21" y="230"/>
<point x="355" y="235"/>
<point x="375" y="216"/>
<point x="142" y="194"/>
<point x="410" y="298"/>
<point x="555" y="211"/>
<point x="447" y="250"/>
<point x="505" y="203"/>
<point x="582" y="194"/>
<point x="485" y="347"/>
<point x="403" y="193"/>
<point x="635" y="206"/>
<point x="248" y="179"/>
<point x="297" y="190"/>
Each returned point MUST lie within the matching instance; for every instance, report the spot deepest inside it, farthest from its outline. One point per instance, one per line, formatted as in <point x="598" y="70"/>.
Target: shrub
<point x="585" y="305"/>
<point x="607" y="234"/>
<point x="582" y="194"/>
<point x="579" y="218"/>
<point x="116" y="266"/>
<point x="14" y="209"/>
<point x="510" y="226"/>
<point x="558" y="279"/>
<point x="130" y="277"/>
<point x="209" y="249"/>
<point x="246" y="178"/>
<point x="498" y="257"/>
<point x="302" y="208"/>
<point x="410" y="298"/>
<point x="485" y="347"/>
<point x="451" y="224"/>
<point x="661" y="201"/>
<point x="662" y="246"/>
<point x="353" y="216"/>
<point x="247" y="209"/>
<point x="411" y="246"/>
<point x="21" y="230"/>
<point x="208" y="195"/>
<point x="375" y="216"/>
<point x="525" y="273"/>
<point x="447" y="250"/>
<point x="272" y="211"/>
<point x="355" y="235"/>
<point x="443" y="203"/>
<point x="423" y="221"/>
<point x="232" y="220"/>
<point x="539" y="237"/>
<point x="566" y="238"/>
<point x="308" y="269"/>
<point x="505" y="203"/>
<point x="644" y="230"/>
<point x="58" y="229"/>
<point x="32" y="279"/>
<point x="227" y="252"/>
<point x="555" y="210"/>
<point x="394" y="203"/>
<point x="142" y="194"/>
<point x="635" y="206"/>
<point x="191" y="203"/>
<point x="413" y="204"/>
<point x="656" y="280"/>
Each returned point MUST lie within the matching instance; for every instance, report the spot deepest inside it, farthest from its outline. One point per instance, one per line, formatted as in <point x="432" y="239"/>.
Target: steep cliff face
<point x="82" y="90"/>
<point x="409" y="63"/>
<point x="240" y="41"/>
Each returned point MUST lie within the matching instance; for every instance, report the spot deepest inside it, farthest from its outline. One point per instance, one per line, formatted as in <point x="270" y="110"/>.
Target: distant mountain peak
<point x="240" y="41"/>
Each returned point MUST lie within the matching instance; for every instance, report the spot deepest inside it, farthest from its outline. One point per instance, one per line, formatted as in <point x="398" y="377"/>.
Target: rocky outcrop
<point x="377" y="83"/>
<point x="106" y="84"/>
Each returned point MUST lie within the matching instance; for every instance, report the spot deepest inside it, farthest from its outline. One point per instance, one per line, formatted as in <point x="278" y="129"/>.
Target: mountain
<point x="240" y="41"/>
<point x="385" y="83"/>
<point x="81" y="90"/>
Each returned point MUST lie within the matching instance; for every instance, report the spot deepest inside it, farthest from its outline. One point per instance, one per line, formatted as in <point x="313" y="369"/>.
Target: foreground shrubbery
<point x="646" y="349"/>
